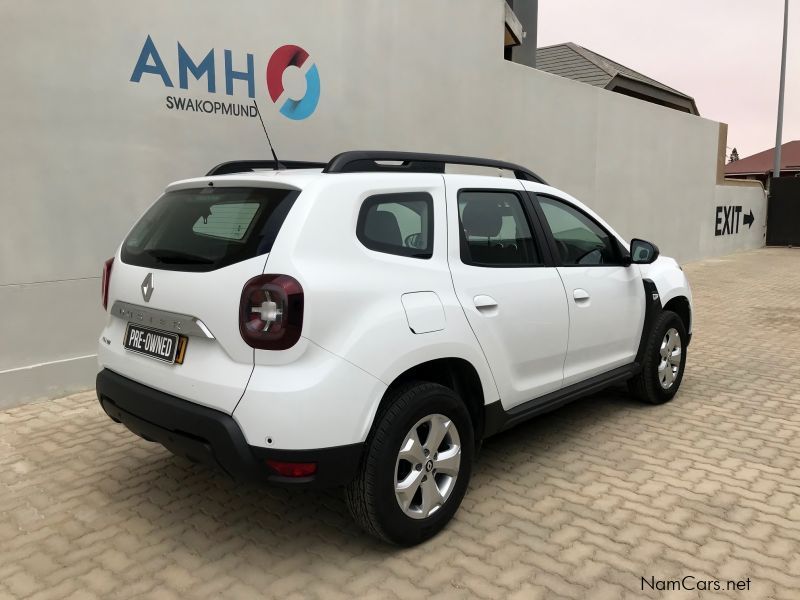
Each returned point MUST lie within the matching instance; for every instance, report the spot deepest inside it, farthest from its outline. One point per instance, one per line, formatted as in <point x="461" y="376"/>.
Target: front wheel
<point x="663" y="361"/>
<point x="416" y="465"/>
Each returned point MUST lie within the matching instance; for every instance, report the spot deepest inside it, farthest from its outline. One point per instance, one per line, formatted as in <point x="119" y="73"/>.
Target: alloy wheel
<point x="670" y="364"/>
<point x="427" y="466"/>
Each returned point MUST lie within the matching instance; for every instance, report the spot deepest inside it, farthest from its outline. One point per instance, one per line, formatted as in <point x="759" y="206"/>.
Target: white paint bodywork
<point x="519" y="315"/>
<point x="215" y="371"/>
<point x="606" y="312"/>
<point x="371" y="316"/>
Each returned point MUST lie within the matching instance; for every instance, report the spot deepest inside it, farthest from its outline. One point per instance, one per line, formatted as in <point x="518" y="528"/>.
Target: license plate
<point x="154" y="343"/>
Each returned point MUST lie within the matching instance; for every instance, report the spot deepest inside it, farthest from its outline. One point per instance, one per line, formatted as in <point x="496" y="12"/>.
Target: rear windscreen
<point x="203" y="229"/>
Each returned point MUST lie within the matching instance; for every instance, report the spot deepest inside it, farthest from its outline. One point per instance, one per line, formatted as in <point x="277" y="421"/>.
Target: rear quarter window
<point x="398" y="223"/>
<point x="203" y="229"/>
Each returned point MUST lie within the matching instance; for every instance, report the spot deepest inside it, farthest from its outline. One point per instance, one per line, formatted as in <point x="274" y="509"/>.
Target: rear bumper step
<point x="211" y="437"/>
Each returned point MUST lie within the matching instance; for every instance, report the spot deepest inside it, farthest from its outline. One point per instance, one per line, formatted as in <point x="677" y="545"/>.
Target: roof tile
<point x="576" y="62"/>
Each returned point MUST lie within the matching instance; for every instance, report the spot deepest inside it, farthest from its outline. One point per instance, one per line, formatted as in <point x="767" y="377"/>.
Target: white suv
<point x="369" y="321"/>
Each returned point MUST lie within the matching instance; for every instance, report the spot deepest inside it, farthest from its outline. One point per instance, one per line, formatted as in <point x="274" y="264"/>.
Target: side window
<point x="494" y="230"/>
<point x="399" y="223"/>
<point x="580" y="240"/>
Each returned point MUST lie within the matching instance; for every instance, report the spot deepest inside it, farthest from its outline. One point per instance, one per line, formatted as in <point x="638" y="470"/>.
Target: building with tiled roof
<point x="580" y="64"/>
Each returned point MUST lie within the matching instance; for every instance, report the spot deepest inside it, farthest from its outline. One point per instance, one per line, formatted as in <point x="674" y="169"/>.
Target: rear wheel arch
<point x="456" y="374"/>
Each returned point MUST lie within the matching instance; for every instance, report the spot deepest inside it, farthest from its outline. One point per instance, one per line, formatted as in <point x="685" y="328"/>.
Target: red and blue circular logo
<point x="283" y="58"/>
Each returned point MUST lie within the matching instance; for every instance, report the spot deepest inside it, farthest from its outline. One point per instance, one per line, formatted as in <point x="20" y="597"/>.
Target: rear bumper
<point x="212" y="437"/>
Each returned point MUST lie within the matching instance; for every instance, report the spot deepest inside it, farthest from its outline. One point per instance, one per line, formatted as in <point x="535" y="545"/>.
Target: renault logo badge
<point x="147" y="287"/>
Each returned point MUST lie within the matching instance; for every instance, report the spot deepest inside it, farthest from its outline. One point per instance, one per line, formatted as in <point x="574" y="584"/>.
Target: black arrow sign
<point x="748" y="220"/>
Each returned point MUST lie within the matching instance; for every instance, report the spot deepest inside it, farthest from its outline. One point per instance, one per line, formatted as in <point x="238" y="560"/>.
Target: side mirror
<point x="643" y="252"/>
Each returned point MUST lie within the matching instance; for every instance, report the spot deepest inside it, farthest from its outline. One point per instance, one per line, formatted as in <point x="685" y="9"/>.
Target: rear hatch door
<point x="178" y="277"/>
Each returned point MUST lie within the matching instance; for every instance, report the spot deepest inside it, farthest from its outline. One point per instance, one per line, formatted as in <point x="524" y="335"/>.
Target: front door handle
<point x="483" y="302"/>
<point x="580" y="295"/>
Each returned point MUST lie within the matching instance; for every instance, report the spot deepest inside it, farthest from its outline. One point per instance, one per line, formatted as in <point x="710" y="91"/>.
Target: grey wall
<point x="84" y="151"/>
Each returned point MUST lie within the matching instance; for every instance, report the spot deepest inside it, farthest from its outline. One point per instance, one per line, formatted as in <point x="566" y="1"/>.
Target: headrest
<point x="482" y="218"/>
<point x="381" y="226"/>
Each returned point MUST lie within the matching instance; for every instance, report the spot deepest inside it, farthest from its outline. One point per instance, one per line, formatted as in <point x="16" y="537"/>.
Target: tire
<point x="371" y="496"/>
<point x="659" y="381"/>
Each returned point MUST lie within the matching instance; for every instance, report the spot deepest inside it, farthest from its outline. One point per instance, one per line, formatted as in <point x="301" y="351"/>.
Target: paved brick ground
<point x="581" y="503"/>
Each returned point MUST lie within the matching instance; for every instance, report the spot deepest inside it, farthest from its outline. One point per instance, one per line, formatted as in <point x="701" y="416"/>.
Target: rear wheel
<point x="663" y="361"/>
<point x="416" y="465"/>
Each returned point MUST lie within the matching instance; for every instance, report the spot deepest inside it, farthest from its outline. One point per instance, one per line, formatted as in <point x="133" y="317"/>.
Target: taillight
<point x="271" y="312"/>
<point x="106" y="280"/>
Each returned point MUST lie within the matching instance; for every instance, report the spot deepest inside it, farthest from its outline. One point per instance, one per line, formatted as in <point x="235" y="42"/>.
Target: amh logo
<point x="283" y="58"/>
<point x="150" y="62"/>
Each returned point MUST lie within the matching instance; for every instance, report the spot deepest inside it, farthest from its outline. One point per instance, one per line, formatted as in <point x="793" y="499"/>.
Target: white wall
<point x="84" y="150"/>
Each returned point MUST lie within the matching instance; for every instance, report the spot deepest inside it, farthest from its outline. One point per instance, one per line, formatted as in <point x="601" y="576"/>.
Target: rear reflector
<point x="106" y="281"/>
<point x="292" y="469"/>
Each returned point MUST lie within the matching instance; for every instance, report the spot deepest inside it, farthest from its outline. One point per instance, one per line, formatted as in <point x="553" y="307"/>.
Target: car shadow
<point x="208" y="514"/>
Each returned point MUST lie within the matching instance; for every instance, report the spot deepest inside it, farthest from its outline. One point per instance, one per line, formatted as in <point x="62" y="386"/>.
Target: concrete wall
<point x="84" y="150"/>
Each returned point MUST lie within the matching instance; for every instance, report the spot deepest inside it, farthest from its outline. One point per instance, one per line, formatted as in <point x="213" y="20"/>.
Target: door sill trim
<point x="498" y="419"/>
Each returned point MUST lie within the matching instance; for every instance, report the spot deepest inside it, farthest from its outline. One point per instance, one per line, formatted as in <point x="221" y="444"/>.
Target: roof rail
<point x="356" y="161"/>
<point x="243" y="166"/>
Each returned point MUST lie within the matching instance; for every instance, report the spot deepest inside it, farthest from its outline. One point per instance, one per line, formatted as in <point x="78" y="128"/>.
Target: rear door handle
<point x="580" y="295"/>
<point x="483" y="302"/>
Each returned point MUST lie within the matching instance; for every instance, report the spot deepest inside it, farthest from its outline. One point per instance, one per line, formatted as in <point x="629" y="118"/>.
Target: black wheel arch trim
<point x="652" y="308"/>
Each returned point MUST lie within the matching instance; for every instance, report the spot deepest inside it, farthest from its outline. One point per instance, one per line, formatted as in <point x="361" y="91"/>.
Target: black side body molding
<point x="498" y="419"/>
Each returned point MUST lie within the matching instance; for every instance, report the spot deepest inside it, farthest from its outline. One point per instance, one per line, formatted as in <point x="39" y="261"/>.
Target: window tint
<point x="580" y="240"/>
<point x="203" y="229"/>
<point x="494" y="230"/>
<point x="400" y="223"/>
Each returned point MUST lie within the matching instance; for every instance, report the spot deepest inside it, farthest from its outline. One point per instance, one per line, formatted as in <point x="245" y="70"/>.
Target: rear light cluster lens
<point x="106" y="280"/>
<point x="271" y="312"/>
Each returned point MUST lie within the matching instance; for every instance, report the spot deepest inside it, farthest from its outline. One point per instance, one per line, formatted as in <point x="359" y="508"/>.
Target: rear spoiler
<point x="244" y="166"/>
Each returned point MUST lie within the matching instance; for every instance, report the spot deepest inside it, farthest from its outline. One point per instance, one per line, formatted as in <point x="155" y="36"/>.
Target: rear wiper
<point x="175" y="257"/>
